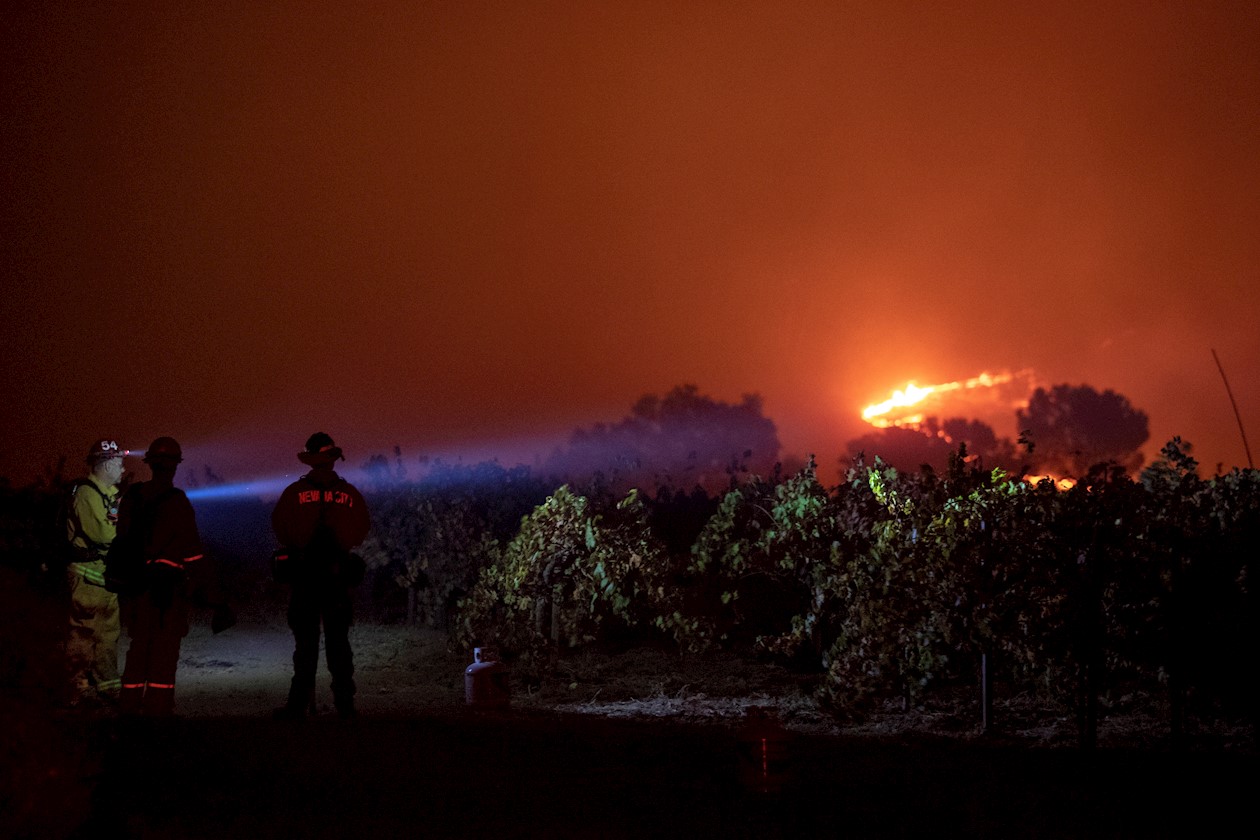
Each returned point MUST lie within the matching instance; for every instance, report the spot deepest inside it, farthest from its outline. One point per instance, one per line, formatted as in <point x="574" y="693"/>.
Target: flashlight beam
<point x="240" y="489"/>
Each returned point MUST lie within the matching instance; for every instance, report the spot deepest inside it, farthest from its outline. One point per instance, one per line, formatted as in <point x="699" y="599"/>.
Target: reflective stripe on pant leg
<point x="81" y="643"/>
<point x="108" y="631"/>
<point x="94" y="629"/>
<point x="159" y="694"/>
<point x="141" y="626"/>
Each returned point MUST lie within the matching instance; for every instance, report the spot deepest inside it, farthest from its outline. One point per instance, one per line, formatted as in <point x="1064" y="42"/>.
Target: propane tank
<point x="764" y="752"/>
<point x="486" y="680"/>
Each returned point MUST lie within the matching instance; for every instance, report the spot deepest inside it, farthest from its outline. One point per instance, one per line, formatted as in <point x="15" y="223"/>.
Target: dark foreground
<point x="512" y="774"/>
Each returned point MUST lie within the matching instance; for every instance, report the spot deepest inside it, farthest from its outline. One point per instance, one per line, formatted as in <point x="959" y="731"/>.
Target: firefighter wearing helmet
<point x="319" y="520"/>
<point x="91" y="525"/>
<point x="157" y="518"/>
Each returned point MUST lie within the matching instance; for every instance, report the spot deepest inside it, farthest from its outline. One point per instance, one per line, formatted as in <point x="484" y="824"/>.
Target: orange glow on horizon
<point x="1059" y="483"/>
<point x="904" y="409"/>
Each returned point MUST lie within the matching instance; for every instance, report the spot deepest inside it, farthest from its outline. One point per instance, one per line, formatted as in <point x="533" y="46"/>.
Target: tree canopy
<point x="1072" y="428"/>
<point x="1069" y="428"/>
<point x="933" y="442"/>
<point x="683" y="439"/>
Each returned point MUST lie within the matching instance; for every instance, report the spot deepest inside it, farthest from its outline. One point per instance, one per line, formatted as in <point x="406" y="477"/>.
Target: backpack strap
<point x="71" y="514"/>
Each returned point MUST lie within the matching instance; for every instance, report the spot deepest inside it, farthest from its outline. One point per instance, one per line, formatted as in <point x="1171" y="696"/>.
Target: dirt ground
<point x="638" y="745"/>
<point x="406" y="671"/>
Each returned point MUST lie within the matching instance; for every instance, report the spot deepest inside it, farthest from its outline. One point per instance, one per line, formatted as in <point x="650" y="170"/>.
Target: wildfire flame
<point x="878" y="414"/>
<point x="895" y="411"/>
<point x="1059" y="483"/>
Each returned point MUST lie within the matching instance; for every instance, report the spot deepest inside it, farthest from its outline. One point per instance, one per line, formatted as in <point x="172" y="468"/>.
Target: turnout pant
<point x="156" y="630"/>
<point x="92" y="648"/>
<point x="310" y="606"/>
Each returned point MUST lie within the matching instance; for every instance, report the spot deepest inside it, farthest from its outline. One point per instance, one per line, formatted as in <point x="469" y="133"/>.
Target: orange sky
<point x="469" y="227"/>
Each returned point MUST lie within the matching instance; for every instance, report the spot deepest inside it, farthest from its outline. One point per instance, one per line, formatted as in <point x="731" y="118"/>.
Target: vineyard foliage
<point x="887" y="586"/>
<point x="892" y="584"/>
<point x="573" y="576"/>
<point x="433" y="537"/>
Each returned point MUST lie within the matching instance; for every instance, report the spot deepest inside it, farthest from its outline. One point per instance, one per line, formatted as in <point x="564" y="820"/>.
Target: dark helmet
<point x="320" y="451"/>
<point x="103" y="450"/>
<point x="164" y="449"/>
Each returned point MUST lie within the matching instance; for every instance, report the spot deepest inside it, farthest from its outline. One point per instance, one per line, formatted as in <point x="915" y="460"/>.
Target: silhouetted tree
<point x="903" y="448"/>
<point x="1072" y="428"/>
<point x="382" y="474"/>
<point x="908" y="449"/>
<point x="986" y="449"/>
<point x="681" y="440"/>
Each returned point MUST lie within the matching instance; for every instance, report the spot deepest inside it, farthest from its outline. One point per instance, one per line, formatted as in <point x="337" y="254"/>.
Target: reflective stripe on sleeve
<point x="93" y="576"/>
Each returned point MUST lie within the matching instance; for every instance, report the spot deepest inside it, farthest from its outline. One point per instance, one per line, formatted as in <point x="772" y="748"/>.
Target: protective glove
<point x="222" y="619"/>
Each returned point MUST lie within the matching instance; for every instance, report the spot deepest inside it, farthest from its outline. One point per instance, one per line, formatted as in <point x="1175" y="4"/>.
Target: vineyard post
<point x="986" y="656"/>
<point x="986" y="693"/>
<point x="1177" y="654"/>
<point x="1089" y="645"/>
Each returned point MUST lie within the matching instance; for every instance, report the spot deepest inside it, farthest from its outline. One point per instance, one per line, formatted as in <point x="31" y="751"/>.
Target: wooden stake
<point x="1237" y="416"/>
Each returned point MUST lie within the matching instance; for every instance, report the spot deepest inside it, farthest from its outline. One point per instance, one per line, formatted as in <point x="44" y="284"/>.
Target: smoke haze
<point x="471" y="228"/>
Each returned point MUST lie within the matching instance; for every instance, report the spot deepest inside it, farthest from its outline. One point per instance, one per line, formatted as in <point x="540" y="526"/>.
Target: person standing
<point x="159" y="520"/>
<point x="91" y="525"/>
<point x="318" y="520"/>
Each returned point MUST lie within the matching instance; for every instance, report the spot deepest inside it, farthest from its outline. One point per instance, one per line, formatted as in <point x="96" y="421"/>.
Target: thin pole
<point x="1237" y="416"/>
<point x="986" y="694"/>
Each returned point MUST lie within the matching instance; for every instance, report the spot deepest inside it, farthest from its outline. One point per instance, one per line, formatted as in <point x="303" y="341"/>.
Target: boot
<point x="301" y="699"/>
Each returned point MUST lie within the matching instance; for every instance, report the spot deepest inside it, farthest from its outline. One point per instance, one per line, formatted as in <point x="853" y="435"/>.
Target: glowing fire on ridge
<point x="877" y="414"/>
<point x="885" y="414"/>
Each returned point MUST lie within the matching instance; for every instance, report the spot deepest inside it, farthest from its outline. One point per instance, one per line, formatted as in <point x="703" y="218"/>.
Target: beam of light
<point x="241" y="489"/>
<point x="270" y="487"/>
